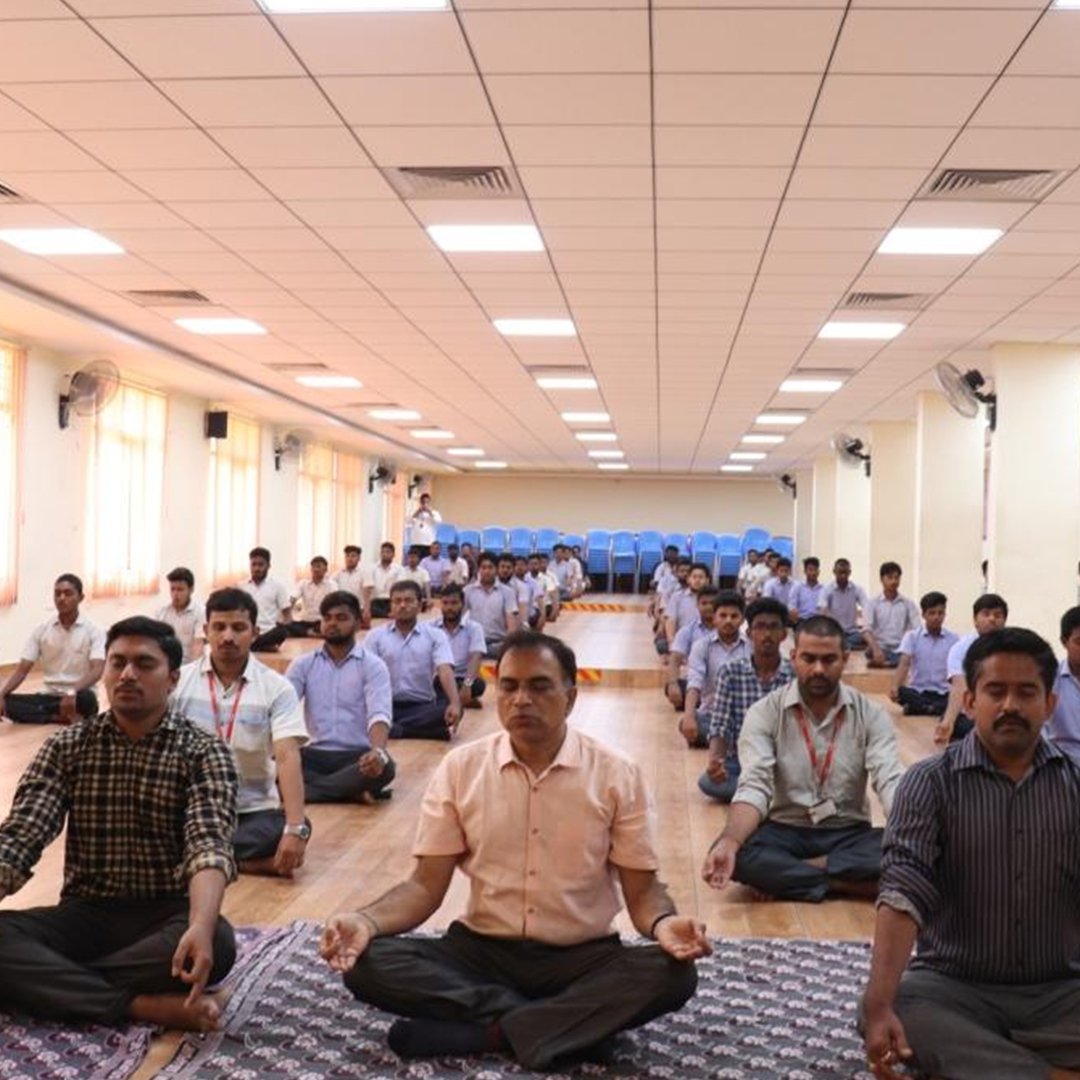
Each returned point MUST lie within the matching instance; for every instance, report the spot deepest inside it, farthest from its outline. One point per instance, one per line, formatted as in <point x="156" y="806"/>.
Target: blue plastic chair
<point x="783" y="545"/>
<point x="572" y="540"/>
<point x="469" y="536"/>
<point x="598" y="551"/>
<point x="678" y="540"/>
<point x="521" y="541"/>
<point x="703" y="547"/>
<point x="446" y="534"/>
<point x="546" y="539"/>
<point x="624" y="557"/>
<point x="758" y="539"/>
<point x="729" y="555"/>
<point x="493" y="538"/>
<point x="650" y="551"/>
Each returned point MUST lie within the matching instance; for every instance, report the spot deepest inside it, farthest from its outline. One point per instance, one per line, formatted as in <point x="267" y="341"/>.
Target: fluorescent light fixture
<point x="586" y="417"/>
<point x="486" y="237"/>
<point x="536" y="327"/>
<point x="566" y="382"/>
<point x="747" y="455"/>
<point x="606" y="454"/>
<point x="489" y="464"/>
<point x="60" y="242"/>
<point x="329" y="382"/>
<point x="861" y="331"/>
<point x="431" y="433"/>
<point x="465" y="451"/>
<point x="907" y="241"/>
<point x="781" y="419"/>
<point x="797" y="385"/>
<point x="596" y="436"/>
<point x="612" y="466"/>
<point x="762" y="440"/>
<point x="1067" y="5"/>
<point x="337" y="7"/>
<point x="220" y="326"/>
<point x="393" y="414"/>
<point x="736" y="468"/>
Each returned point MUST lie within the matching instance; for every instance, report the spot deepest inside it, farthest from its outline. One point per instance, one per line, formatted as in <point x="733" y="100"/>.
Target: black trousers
<point x="258" y="833"/>
<point x="551" y="1001"/>
<point x="922" y="702"/>
<point x="420" y="719"/>
<point x="300" y="628"/>
<point x="43" y="708"/>
<point x="331" y="776"/>
<point x="84" y="960"/>
<point x="476" y="687"/>
<point x="271" y="639"/>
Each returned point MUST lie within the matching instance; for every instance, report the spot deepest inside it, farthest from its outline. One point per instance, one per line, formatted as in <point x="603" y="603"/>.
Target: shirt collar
<point x="356" y="652"/>
<point x="206" y="666"/>
<point x="793" y="697"/>
<point x="971" y="754"/>
<point x="568" y="757"/>
<point x="80" y="620"/>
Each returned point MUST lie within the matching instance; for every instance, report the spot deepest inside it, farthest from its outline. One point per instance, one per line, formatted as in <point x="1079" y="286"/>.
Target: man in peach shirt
<point x="542" y="820"/>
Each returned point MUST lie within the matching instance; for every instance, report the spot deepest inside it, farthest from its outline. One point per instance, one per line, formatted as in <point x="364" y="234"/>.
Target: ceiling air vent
<point x="166" y="297"/>
<point x="885" y="301"/>
<point x="454" y="182"/>
<point x="992" y="185"/>
<point x="9" y="194"/>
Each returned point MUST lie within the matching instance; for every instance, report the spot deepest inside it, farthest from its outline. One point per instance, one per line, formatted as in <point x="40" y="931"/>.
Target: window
<point x="350" y="482"/>
<point x="315" y="506"/>
<point x="233" y="518"/>
<point x="127" y="469"/>
<point x="11" y="365"/>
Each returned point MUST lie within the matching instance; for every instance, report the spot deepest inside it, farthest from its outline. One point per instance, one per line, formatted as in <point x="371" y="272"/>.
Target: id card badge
<point x="822" y="811"/>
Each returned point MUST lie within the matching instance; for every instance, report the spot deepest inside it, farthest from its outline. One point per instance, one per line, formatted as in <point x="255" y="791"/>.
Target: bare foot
<point x="366" y="798"/>
<point x="173" y="1011"/>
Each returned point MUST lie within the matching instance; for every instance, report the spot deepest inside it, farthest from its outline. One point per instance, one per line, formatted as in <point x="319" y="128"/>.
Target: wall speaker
<point x="217" y="425"/>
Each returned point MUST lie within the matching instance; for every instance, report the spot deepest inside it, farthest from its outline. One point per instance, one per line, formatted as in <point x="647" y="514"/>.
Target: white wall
<point x="573" y="504"/>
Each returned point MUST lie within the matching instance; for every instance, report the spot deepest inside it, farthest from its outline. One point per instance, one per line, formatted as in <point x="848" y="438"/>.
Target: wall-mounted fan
<point x="416" y="482"/>
<point x="384" y="474"/>
<point x="851" y="451"/>
<point x="89" y="390"/>
<point x="786" y="483"/>
<point x="964" y="391"/>
<point x="288" y="446"/>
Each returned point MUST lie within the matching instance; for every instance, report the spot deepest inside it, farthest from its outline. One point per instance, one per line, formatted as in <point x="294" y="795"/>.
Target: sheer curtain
<point x="233" y="518"/>
<point x="11" y="369"/>
<point x="315" y="506"/>
<point x="350" y="481"/>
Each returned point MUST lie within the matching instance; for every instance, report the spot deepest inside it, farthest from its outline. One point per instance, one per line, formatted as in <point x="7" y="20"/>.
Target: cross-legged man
<point x="466" y="644"/>
<point x="922" y="676"/>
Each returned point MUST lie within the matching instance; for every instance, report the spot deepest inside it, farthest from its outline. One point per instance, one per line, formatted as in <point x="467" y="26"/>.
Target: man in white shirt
<point x="271" y="601"/>
<point x="71" y="650"/>
<point x="437" y="567"/>
<point x="184" y="614"/>
<point x="255" y="711"/>
<point x="413" y="571"/>
<point x="537" y="606"/>
<point x="505" y="571"/>
<point x="351" y="579"/>
<point x="310" y="593"/>
<point x="379" y="580"/>
<point x="460" y="571"/>
<point x="467" y="645"/>
<point x="538" y="570"/>
<point x="424" y="520"/>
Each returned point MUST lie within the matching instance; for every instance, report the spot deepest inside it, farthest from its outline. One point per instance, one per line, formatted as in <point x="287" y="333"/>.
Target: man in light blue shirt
<point x="345" y="689"/>
<point x="922" y="677"/>
<point x="438" y="567"/>
<point x="806" y="596"/>
<point x="492" y="604"/>
<point x="1063" y="727"/>
<point x="888" y="618"/>
<point x="843" y="600"/>
<point x="675" y="682"/>
<point x="466" y="643"/>
<point x="417" y="655"/>
<point x="783" y="586"/>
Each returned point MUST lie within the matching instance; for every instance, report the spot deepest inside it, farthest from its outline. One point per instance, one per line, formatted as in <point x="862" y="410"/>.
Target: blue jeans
<point x="723" y="791"/>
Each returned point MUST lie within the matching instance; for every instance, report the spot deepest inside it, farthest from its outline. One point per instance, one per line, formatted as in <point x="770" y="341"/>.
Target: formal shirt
<point x="738" y="686"/>
<point x="775" y="589"/>
<point x="411" y="657"/>
<point x="929" y="659"/>
<point x="667" y="589"/>
<point x="889" y="620"/>
<point x="342" y="700"/>
<point x="1063" y="727"/>
<point x="311" y="595"/>
<point x="806" y="599"/>
<point x="351" y="581"/>
<point x="742" y="579"/>
<point x="577" y="571"/>
<point x="258" y="709"/>
<point x="683" y="607"/>
<point x="143" y="816"/>
<point x="419" y="575"/>
<point x="708" y="656"/>
<point x="65" y="652"/>
<point x="562" y="570"/>
<point x="958" y="653"/>
<point x="531" y="592"/>
<point x="438" y="570"/>
<point x="842" y="604"/>
<point x="490" y="607"/>
<point x="757" y="577"/>
<point x="989" y="869"/>
<point x="690" y="634"/>
<point x="188" y="625"/>
<point x="549" y="587"/>
<point x="540" y="851"/>
<point x="459" y="571"/>
<point x="423" y="527"/>
<point x="272" y="600"/>
<point x="381" y="578"/>
<point x="777" y="776"/>
<point x="663" y="570"/>
<point x="466" y="640"/>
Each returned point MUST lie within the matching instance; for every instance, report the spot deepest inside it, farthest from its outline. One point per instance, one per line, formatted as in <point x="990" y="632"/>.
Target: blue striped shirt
<point x="737" y="688"/>
<point x="988" y="869"/>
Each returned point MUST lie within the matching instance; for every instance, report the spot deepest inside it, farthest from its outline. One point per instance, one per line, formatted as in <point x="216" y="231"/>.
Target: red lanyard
<point x="820" y="774"/>
<point x="227" y="737"/>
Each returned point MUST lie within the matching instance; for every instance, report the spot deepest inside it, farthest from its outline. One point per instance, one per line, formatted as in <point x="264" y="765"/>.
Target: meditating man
<point x="271" y="601"/>
<point x="844" y="601"/>
<point x="378" y="580"/>
<point x="310" y="594"/>
<point x="889" y="617"/>
<point x="1063" y="727"/>
<point x="922" y="676"/>
<point x="71" y="651"/>
<point x="184" y="613"/>
<point x="544" y="821"/>
<point x="150" y="806"/>
<point x="799" y="824"/>
<point x="805" y="598"/>
<point x="492" y="604"/>
<point x="705" y="625"/>
<point x="979" y="873"/>
<point x="347" y="705"/>
<point x="253" y="710"/>
<point x="466" y="644"/>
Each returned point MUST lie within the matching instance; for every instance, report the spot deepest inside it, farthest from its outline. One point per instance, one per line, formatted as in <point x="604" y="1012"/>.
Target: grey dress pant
<point x="332" y="776"/>
<point x="551" y="1001"/>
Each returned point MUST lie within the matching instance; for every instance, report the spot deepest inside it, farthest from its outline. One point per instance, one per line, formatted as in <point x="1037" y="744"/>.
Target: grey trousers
<point x="258" y="833"/>
<point x="550" y="1000"/>
<point x="970" y="1031"/>
<point x="332" y="776"/>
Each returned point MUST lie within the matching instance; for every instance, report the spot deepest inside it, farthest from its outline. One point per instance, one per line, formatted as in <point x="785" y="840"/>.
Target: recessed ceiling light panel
<point x="431" y="433"/>
<point x="60" y="242"/>
<point x="329" y="382"/>
<point x="566" y="382"/>
<point x="781" y="419"/>
<point x="212" y="326"/>
<point x="586" y="417"/>
<point x="747" y="455"/>
<point x="911" y="241"/>
<point x="612" y="466"/>
<point x="799" y="385"/>
<point x="861" y="331"/>
<point x="596" y="436"/>
<point x="606" y="454"/>
<point x="489" y="238"/>
<point x="762" y="440"/>
<point x="489" y="465"/>
<point x="465" y="451"/>
<point x="393" y="413"/>
<point x="536" y="327"/>
<point x="736" y="468"/>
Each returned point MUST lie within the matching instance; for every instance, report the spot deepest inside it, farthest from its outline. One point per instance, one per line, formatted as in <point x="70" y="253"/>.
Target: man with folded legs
<point x="466" y="644"/>
<point x="492" y="604"/>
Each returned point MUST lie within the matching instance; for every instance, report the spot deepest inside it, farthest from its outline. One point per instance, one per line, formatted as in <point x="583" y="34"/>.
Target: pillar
<point x="804" y="517"/>
<point x="824" y="512"/>
<point x="852" y="534"/>
<point x="892" y="498"/>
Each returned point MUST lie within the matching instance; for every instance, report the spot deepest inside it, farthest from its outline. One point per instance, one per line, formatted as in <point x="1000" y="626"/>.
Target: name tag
<point x="822" y="811"/>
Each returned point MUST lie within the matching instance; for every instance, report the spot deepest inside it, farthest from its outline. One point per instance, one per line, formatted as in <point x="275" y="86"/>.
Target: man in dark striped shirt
<point x="981" y="867"/>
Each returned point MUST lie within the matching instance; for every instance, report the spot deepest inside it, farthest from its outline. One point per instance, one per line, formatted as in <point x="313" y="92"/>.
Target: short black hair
<point x="387" y="544"/>
<point x="990" y="602"/>
<point x="531" y="640"/>
<point x="505" y="556"/>
<point x="767" y="605"/>
<point x="487" y="556"/>
<point x="352" y="549"/>
<point x="232" y="600"/>
<point x="701" y="566"/>
<point x="671" y="547"/>
<point x="684" y="560"/>
<point x="340" y="598"/>
<point x="415" y="550"/>
<point x="319" y="558"/>
<point x="820" y="626"/>
<point x="710" y="592"/>
<point x="1015" y="640"/>
<point x="730" y="598"/>
<point x="259" y="553"/>
<point x="811" y="560"/>
<point x="142" y="626"/>
<point x="70" y="579"/>
<point x="181" y="573"/>
<point x="889" y="568"/>
<point x="451" y="548"/>
<point x="1070" y="621"/>
<point x="842" y="562"/>
<point x="407" y="586"/>
<point x="752" y="551"/>
<point x="932" y="599"/>
<point x="784" y="561"/>
<point x="453" y="589"/>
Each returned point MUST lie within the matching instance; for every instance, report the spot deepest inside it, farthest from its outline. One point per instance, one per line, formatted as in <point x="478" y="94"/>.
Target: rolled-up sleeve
<point x="697" y="666"/>
<point x="912" y="846"/>
<point x="720" y="714"/>
<point x="378" y="694"/>
<point x="210" y="821"/>
<point x="757" y="756"/>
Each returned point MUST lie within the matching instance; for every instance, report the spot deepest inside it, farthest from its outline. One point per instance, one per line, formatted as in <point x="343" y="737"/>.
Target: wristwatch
<point x="303" y="830"/>
<point x="383" y="753"/>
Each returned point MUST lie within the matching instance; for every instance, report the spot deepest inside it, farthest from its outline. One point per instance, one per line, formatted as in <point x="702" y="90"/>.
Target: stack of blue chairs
<point x="650" y="551"/>
<point x="493" y="538"/>
<point x="598" y="552"/>
<point x="758" y="539"/>
<point x="546" y="539"/>
<point x="728" y="555"/>
<point x="703" y="548"/>
<point x="678" y="540"/>
<point x="446" y="534"/>
<point x="521" y="542"/>
<point x="573" y="540"/>
<point x="624" y="556"/>
<point x="470" y="536"/>
<point x="783" y="545"/>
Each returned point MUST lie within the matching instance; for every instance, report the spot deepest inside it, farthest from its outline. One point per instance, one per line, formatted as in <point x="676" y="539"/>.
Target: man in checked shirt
<point x="150" y="803"/>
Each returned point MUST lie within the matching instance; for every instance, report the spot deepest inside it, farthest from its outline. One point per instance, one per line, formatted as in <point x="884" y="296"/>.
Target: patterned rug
<point x="764" y="1009"/>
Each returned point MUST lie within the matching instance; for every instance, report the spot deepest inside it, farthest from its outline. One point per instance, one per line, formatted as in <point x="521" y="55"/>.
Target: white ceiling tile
<point x="30" y="216"/>
<point x="221" y="103"/>
<point x="342" y="213"/>
<point x="717" y="213"/>
<point x="864" y="240"/>
<point x="1015" y="148"/>
<point x="599" y="212"/>
<point x="617" y="182"/>
<point x="249" y="240"/>
<point x="196" y="185"/>
<point x="840" y="214"/>
<point x="31" y="151"/>
<point x="584" y="239"/>
<point x="309" y="183"/>
<point x="132" y="215"/>
<point x="570" y="99"/>
<point x="90" y="8"/>
<point x="1053" y="47"/>
<point x="365" y="261"/>
<point x="889" y="100"/>
<point x="409" y="99"/>
<point x="735" y="99"/>
<point x="732" y="183"/>
<point x="958" y="214"/>
<point x="574" y="145"/>
<point x="881" y="147"/>
<point x="434" y="145"/>
<point x="35" y="9"/>
<point x="147" y="241"/>
<point x="627" y="261"/>
<point x="284" y="147"/>
<point x="859" y="184"/>
<point x="715" y="145"/>
<point x="376" y="239"/>
<point x="1051" y="217"/>
<point x="58" y="49"/>
<point x="175" y="148"/>
<point x="265" y="213"/>
<point x="1020" y="266"/>
<point x="1030" y="101"/>
<point x="97" y="105"/>
<point x="73" y="187"/>
<point x="13" y="117"/>
<point x="468" y="212"/>
<point x="503" y="263"/>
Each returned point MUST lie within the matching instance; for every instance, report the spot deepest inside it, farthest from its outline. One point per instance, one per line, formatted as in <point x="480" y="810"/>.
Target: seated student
<point x="426" y="703"/>
<point x="351" y="576"/>
<point x="990" y="613"/>
<point x="922" y="677"/>
<point x="311" y="593"/>
<point x="271" y="600"/>
<point x="538" y="571"/>
<point x="739" y="685"/>
<point x="72" y="654"/>
<point x="578" y="568"/>
<point x="799" y="824"/>
<point x="844" y="601"/>
<point x="782" y="585"/>
<point x="888" y="618"/>
<point x="345" y="689"/>
<point x="747" y="570"/>
<point x="522" y="593"/>
<point x="1063" y="727"/>
<point x="254" y="711"/>
<point x="979" y="873"/>
<point x="492" y="604"/>
<point x="665" y="568"/>
<point x="467" y="645"/>
<point x="668" y="589"/>
<point x="138" y="933"/>
<point x="681" y="606"/>
<point x="378" y="581"/>
<point x="414" y="572"/>
<point x="805" y="598"/>
<point x="723" y="644"/>
<point x="533" y="967"/>
<point x="470" y="558"/>
<point x="437" y="567"/>
<point x="461" y="571"/>
<point x="535" y="604"/>
<point x="184" y="613"/>
<point x="568" y="573"/>
<point x="703" y="626"/>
